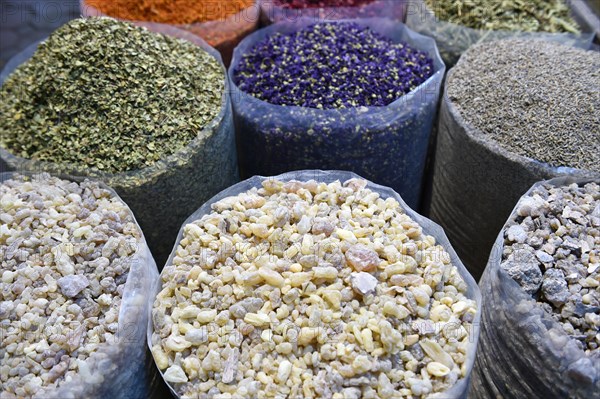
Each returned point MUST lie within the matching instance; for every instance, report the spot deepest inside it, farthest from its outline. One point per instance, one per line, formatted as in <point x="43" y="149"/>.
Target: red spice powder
<point x="321" y="3"/>
<point x="175" y="12"/>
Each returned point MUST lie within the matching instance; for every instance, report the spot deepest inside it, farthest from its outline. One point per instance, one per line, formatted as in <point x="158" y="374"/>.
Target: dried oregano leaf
<point x="109" y="95"/>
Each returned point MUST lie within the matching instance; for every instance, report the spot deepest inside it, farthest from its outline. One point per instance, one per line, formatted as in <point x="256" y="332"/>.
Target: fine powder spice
<point x="516" y="93"/>
<point x="314" y="290"/>
<point x="104" y="94"/>
<point x="299" y="4"/>
<point x="331" y="65"/>
<point x="552" y="249"/>
<point x="66" y="249"/>
<point x="176" y="12"/>
<point x="528" y="16"/>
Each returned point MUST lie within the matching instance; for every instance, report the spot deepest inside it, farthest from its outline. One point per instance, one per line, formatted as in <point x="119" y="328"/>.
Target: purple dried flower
<point x="331" y="65"/>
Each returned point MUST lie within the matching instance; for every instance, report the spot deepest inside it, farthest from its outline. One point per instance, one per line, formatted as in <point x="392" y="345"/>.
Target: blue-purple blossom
<point x="332" y="65"/>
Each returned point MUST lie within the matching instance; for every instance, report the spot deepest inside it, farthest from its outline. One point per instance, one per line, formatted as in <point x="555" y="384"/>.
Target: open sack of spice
<point x="76" y="274"/>
<point x="313" y="284"/>
<point x="358" y="95"/>
<point x="221" y="23"/>
<point x="291" y="10"/>
<point x="511" y="115"/>
<point x="146" y="113"/>
<point x="457" y="25"/>
<point x="541" y="297"/>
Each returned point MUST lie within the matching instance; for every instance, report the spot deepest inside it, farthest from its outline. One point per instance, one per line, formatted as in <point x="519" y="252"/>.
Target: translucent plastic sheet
<point x="164" y="194"/>
<point x="387" y="145"/>
<point x="120" y="369"/>
<point x="453" y="39"/>
<point x="524" y="353"/>
<point x="430" y="228"/>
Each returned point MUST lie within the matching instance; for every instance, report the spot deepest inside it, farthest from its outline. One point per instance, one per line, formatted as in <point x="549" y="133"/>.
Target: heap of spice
<point x="314" y="290"/>
<point x="66" y="251"/>
<point x="299" y="4"/>
<point x="331" y="65"/>
<point x="552" y="249"/>
<point x="177" y="12"/>
<point x="516" y="15"/>
<point x="517" y="94"/>
<point x="108" y="95"/>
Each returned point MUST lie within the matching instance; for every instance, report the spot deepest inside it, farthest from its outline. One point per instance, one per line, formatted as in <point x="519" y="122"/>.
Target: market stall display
<point x="304" y="97"/>
<point x="541" y="297"/>
<point x="103" y="98"/>
<point x="313" y="284"/>
<point x="75" y="276"/>
<point x="511" y="115"/>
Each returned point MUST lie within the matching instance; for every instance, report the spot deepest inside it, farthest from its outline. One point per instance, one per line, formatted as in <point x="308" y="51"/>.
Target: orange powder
<point x="176" y="12"/>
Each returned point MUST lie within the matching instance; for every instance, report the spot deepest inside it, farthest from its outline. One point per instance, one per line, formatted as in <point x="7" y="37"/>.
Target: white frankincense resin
<point x="312" y="290"/>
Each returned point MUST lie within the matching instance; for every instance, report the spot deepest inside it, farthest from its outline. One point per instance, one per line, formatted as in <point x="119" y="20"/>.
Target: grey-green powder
<point x="536" y="99"/>
<point x="106" y="94"/>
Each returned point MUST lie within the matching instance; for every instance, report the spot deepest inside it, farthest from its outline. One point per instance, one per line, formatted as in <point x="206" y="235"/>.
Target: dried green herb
<point x="522" y="15"/>
<point x="109" y="95"/>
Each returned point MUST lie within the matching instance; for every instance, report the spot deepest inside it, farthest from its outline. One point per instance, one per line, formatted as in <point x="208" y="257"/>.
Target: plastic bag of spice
<point x="226" y="25"/>
<point x="454" y="39"/>
<point x="301" y="188"/>
<point x="161" y="195"/>
<point x="525" y="351"/>
<point x="477" y="178"/>
<point x="386" y="144"/>
<point x="92" y="272"/>
<point x="287" y="10"/>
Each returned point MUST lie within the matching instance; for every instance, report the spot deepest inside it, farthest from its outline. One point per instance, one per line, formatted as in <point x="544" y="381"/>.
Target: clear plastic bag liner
<point x="271" y="11"/>
<point x="120" y="369"/>
<point x="224" y="34"/>
<point x="524" y="352"/>
<point x="453" y="39"/>
<point x="165" y="193"/>
<point x="476" y="183"/>
<point x="459" y="390"/>
<point x="387" y="145"/>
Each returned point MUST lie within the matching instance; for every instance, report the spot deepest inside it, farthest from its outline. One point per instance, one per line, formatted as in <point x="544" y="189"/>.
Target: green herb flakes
<point x="108" y="95"/>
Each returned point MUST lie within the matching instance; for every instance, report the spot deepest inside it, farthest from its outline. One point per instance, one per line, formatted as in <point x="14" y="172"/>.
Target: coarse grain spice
<point x="65" y="249"/>
<point x="517" y="94"/>
<point x="331" y="65"/>
<point x="516" y="15"/>
<point x="552" y="249"/>
<point x="176" y="12"/>
<point x="307" y="289"/>
<point x="108" y="95"/>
